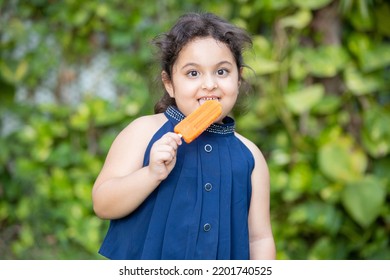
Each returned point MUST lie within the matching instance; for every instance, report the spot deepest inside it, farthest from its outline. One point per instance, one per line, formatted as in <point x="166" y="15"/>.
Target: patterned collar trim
<point x="228" y="127"/>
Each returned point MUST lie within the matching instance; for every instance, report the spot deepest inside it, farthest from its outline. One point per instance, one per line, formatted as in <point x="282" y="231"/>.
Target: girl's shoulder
<point x="257" y="154"/>
<point x="148" y="122"/>
<point x="139" y="132"/>
<point x="248" y="143"/>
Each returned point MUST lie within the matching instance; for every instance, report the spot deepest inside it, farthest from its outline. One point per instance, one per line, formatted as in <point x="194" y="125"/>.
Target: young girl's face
<point x="205" y="69"/>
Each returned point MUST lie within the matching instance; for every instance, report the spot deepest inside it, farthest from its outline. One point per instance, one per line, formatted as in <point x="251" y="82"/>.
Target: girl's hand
<point x="163" y="155"/>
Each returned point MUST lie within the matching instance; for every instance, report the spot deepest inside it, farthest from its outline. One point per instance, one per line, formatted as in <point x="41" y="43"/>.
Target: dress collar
<point x="228" y="126"/>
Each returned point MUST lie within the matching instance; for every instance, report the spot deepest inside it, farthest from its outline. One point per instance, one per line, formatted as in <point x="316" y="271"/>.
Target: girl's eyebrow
<point x="193" y="64"/>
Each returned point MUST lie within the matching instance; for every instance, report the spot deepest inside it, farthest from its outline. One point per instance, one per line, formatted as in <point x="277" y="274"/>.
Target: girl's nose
<point x="209" y="83"/>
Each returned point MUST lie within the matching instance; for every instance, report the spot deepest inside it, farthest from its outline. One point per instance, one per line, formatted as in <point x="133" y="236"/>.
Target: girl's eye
<point x="222" y="72"/>
<point x="192" y="74"/>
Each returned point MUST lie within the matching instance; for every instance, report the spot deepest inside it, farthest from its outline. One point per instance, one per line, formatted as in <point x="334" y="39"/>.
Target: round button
<point x="208" y="187"/>
<point x="207" y="227"/>
<point x="208" y="148"/>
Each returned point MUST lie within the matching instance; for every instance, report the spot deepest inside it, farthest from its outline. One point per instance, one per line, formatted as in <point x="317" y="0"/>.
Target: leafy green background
<point x="319" y="108"/>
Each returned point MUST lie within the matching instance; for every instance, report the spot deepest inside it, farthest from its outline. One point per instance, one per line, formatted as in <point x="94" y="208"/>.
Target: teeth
<point x="204" y="99"/>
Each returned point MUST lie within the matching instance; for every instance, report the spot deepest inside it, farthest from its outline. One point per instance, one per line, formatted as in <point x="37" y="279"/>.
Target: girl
<point x="167" y="199"/>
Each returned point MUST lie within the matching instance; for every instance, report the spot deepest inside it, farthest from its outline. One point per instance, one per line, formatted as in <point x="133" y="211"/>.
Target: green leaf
<point x="311" y="4"/>
<point x="341" y="160"/>
<point x="299" y="20"/>
<point x="326" y="248"/>
<point x="270" y="4"/>
<point x="360" y="84"/>
<point x="370" y="54"/>
<point x="381" y="169"/>
<point x="358" y="43"/>
<point x="376" y="131"/>
<point x="260" y="58"/>
<point x="320" y="215"/>
<point x="26" y="236"/>
<point x="303" y="100"/>
<point x="6" y="72"/>
<point x="361" y="20"/>
<point x="28" y="134"/>
<point x="364" y="199"/>
<point x="298" y="68"/>
<point x="382" y="12"/>
<point x="21" y="70"/>
<point x="263" y="66"/>
<point x="325" y="61"/>
<point x="328" y="105"/>
<point x="102" y="10"/>
<point x="300" y="181"/>
<point x="376" y="57"/>
<point x="80" y="17"/>
<point x="80" y="120"/>
<point x="59" y="155"/>
<point x="8" y="91"/>
<point x="103" y="113"/>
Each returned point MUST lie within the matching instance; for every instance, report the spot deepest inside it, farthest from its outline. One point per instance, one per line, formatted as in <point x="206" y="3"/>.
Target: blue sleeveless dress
<point x="200" y="211"/>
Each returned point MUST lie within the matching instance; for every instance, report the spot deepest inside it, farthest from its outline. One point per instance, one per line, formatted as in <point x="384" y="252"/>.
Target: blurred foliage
<point x="319" y="109"/>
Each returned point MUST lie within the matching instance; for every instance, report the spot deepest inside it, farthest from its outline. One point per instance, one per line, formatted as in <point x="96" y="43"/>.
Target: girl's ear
<point x="167" y="84"/>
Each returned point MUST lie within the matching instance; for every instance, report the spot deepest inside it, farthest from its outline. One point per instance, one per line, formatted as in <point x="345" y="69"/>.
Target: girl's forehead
<point x="208" y="41"/>
<point x="206" y="48"/>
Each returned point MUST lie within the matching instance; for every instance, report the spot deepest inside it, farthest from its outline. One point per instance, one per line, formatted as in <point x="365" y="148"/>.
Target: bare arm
<point x="123" y="184"/>
<point x="262" y="245"/>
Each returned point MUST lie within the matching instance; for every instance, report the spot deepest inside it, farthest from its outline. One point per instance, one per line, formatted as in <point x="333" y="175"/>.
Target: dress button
<point x="208" y="148"/>
<point x="206" y="227"/>
<point x="208" y="187"/>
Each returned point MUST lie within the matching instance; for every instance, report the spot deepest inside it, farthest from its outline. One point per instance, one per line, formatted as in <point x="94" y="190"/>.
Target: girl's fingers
<point x="171" y="139"/>
<point x="166" y="147"/>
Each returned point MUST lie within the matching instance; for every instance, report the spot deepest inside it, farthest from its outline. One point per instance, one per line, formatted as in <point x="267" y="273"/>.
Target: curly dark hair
<point x="186" y="29"/>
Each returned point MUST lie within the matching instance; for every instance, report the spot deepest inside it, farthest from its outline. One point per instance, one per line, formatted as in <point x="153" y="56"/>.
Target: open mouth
<point x="204" y="99"/>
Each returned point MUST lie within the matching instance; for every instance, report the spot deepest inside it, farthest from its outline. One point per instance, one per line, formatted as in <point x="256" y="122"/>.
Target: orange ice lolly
<point x="199" y="120"/>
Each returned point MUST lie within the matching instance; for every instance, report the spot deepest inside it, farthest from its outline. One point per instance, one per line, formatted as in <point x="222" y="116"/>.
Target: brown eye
<point x="192" y="74"/>
<point x="222" y="72"/>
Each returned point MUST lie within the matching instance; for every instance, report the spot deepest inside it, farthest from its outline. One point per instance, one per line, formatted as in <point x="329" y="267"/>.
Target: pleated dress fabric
<point x="200" y="211"/>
